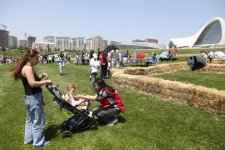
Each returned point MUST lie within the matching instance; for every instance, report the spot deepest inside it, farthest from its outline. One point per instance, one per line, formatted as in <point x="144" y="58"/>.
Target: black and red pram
<point x="80" y="119"/>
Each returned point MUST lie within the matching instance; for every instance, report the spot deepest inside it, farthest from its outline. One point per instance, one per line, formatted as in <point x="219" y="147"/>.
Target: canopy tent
<point x="141" y="56"/>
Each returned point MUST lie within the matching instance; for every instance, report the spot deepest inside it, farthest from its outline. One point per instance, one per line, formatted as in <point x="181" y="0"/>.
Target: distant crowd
<point x="212" y="55"/>
<point x="8" y="59"/>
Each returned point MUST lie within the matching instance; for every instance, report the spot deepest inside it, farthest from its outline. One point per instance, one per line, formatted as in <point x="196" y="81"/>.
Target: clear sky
<point x="119" y="20"/>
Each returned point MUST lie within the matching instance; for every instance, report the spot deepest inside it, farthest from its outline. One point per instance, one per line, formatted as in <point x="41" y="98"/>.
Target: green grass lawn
<point x="199" y="78"/>
<point x="148" y="123"/>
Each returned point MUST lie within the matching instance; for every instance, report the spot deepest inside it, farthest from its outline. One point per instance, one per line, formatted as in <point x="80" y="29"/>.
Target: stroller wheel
<point x="94" y="126"/>
<point x="66" y="134"/>
<point x="63" y="124"/>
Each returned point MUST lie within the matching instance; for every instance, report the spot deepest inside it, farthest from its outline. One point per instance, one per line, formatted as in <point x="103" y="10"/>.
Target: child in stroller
<point x="80" y="118"/>
<point x="81" y="104"/>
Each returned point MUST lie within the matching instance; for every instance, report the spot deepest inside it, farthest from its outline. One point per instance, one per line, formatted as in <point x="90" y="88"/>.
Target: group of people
<point x="212" y="55"/>
<point x="8" y="59"/>
<point x="110" y="100"/>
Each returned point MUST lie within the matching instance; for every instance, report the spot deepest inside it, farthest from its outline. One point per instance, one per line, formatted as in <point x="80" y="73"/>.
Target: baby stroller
<point x="80" y="119"/>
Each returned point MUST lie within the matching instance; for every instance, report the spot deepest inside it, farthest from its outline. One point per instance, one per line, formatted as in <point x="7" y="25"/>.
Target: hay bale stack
<point x="116" y="71"/>
<point x="214" y="68"/>
<point x="216" y="61"/>
<point x="211" y="100"/>
<point x="158" y="69"/>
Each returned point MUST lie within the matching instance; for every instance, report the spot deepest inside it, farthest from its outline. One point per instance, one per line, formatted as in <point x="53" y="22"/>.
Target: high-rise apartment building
<point x="22" y="43"/>
<point x="97" y="43"/>
<point x="104" y="44"/>
<point x="89" y="44"/>
<point x="63" y="43"/>
<point x="77" y="43"/>
<point x="13" y="42"/>
<point x="49" y="39"/>
<point x="4" y="38"/>
<point x="80" y="43"/>
<point x="74" y="44"/>
<point x="30" y="41"/>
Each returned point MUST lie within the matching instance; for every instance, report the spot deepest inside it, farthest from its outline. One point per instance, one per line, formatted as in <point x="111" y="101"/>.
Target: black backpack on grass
<point x="196" y="62"/>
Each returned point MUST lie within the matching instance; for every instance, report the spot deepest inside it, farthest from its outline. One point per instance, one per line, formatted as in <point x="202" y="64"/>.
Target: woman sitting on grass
<point x="111" y="102"/>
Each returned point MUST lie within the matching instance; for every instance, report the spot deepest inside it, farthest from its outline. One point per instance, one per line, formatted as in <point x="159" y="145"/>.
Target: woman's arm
<point x="43" y="75"/>
<point x="89" y="97"/>
<point x="27" y="71"/>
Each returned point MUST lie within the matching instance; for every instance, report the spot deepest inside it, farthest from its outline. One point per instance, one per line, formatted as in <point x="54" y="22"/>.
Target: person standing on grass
<point x="94" y="65"/>
<point x="103" y="59"/>
<point x="111" y="102"/>
<point x="35" y="120"/>
<point x="60" y="62"/>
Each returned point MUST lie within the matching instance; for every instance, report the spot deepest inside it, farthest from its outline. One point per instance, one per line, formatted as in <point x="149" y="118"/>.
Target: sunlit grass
<point x="199" y="78"/>
<point x="148" y="123"/>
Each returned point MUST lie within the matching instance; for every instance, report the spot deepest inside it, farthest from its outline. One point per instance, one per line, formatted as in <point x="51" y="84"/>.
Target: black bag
<point x="196" y="62"/>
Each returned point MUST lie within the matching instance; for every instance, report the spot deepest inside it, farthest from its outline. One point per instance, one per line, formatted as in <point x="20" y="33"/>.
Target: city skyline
<point x="121" y="21"/>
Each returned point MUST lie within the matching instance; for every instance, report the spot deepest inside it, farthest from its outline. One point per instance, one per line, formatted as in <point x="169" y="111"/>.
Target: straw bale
<point x="157" y="69"/>
<point x="211" y="100"/>
<point x="214" y="68"/>
<point x="216" y="61"/>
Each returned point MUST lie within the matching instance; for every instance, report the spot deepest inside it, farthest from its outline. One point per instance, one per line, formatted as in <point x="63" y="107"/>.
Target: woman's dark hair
<point x="61" y="55"/>
<point x="101" y="83"/>
<point x="17" y="69"/>
<point x="91" y="54"/>
<point x="104" y="54"/>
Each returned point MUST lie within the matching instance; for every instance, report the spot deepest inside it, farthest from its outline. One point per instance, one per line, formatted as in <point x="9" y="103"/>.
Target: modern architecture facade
<point x="141" y="45"/>
<point x="212" y="34"/>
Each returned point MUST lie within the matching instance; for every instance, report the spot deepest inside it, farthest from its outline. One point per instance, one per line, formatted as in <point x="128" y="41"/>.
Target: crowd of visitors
<point x="8" y="59"/>
<point x="212" y="55"/>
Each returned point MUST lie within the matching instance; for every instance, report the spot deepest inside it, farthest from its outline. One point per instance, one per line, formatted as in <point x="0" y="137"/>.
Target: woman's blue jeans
<point x="35" y="121"/>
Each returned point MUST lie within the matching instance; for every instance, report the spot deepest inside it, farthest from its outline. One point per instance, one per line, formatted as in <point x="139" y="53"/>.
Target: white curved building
<point x="141" y="45"/>
<point x="212" y="34"/>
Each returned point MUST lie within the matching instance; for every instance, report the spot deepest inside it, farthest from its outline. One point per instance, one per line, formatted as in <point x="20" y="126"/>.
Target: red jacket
<point x="115" y="97"/>
<point x="102" y="61"/>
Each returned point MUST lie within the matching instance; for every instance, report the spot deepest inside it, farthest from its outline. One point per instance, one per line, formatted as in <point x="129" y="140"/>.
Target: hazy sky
<point x="120" y="20"/>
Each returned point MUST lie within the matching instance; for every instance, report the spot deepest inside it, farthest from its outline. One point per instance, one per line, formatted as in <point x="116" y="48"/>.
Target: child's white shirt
<point x="72" y="101"/>
<point x="94" y="64"/>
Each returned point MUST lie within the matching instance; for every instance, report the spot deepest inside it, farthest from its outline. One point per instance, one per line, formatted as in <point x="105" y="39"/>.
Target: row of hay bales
<point x="211" y="100"/>
<point x="158" y="69"/>
<point x="214" y="68"/>
<point x="217" y="61"/>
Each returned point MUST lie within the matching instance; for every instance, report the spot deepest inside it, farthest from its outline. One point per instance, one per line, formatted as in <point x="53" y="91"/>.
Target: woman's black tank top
<point x="28" y="89"/>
